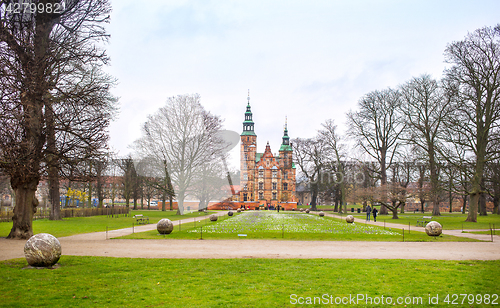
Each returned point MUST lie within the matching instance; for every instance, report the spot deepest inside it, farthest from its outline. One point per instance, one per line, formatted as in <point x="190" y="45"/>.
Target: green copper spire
<point x="248" y="124"/>
<point x="285" y="145"/>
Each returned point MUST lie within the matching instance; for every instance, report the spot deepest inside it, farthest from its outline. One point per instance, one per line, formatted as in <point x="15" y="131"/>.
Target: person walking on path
<point x="374" y="214"/>
<point x="368" y="211"/>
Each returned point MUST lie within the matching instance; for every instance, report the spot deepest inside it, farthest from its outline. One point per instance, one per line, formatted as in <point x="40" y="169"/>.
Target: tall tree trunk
<point x="482" y="205"/>
<point x="314" y="197"/>
<point x="450" y="200"/>
<point x="496" y="200"/>
<point x="26" y="204"/>
<point x="477" y="179"/>
<point x="395" y="213"/>
<point x="163" y="201"/>
<point x="434" y="182"/>
<point x="473" y="206"/>
<point x="53" y="165"/>
<point x="464" y="203"/>
<point x="180" y="204"/>
<point x="435" y="207"/>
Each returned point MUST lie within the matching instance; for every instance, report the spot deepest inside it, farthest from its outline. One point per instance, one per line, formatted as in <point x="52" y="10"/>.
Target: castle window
<point x="285" y="176"/>
<point x="274" y="196"/>
<point x="261" y="185"/>
<point x="285" y="186"/>
<point x="261" y="173"/>
<point x="245" y="187"/>
<point x="275" y="173"/>
<point x="248" y="138"/>
<point x="261" y="195"/>
<point x="275" y="186"/>
<point x="245" y="176"/>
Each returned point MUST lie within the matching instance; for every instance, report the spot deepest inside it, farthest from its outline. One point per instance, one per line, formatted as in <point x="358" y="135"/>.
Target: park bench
<point x="141" y="219"/>
<point x="424" y="221"/>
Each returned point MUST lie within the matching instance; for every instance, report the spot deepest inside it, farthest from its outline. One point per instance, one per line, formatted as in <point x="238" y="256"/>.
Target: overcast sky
<point x="307" y="60"/>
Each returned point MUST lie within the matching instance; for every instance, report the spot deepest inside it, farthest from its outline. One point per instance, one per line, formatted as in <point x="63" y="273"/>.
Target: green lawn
<point x="78" y="225"/>
<point x="125" y="282"/>
<point x="449" y="221"/>
<point x="288" y="226"/>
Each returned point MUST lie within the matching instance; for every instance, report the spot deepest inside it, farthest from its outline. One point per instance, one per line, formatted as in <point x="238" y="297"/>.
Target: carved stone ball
<point x="433" y="228"/>
<point x="213" y="217"/>
<point x="42" y="250"/>
<point x="230" y="213"/>
<point x="349" y="219"/>
<point x="238" y="211"/>
<point x="165" y="226"/>
<point x="307" y="211"/>
<point x="302" y="210"/>
<point x="321" y="214"/>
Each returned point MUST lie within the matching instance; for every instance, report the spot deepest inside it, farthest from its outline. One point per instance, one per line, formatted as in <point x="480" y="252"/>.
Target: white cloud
<point x="306" y="60"/>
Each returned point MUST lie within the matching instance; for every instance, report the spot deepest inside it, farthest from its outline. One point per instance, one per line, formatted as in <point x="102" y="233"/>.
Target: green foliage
<point x="125" y="282"/>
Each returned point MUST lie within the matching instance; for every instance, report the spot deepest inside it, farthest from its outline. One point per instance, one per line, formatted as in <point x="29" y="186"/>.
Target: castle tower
<point x="247" y="156"/>
<point x="286" y="167"/>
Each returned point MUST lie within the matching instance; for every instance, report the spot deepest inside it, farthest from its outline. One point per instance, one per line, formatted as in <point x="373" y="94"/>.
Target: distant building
<point x="265" y="178"/>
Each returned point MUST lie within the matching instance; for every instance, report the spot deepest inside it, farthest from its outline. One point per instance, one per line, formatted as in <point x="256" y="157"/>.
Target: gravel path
<point x="96" y="244"/>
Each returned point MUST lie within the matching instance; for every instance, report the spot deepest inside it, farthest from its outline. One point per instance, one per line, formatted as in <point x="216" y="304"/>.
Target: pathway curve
<point x="95" y="244"/>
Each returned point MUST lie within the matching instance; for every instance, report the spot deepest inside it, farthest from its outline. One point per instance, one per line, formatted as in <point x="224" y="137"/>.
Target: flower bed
<point x="250" y="222"/>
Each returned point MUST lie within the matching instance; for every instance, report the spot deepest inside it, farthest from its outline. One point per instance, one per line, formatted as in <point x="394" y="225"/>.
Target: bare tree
<point x="37" y="52"/>
<point x="426" y="108"/>
<point x="183" y="135"/>
<point x="209" y="183"/>
<point x="493" y="178"/>
<point x="335" y="150"/>
<point x="309" y="156"/>
<point x="474" y="81"/>
<point x="377" y="128"/>
<point x="128" y="178"/>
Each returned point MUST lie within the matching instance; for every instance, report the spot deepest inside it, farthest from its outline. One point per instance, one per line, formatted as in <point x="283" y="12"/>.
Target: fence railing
<point x="71" y="212"/>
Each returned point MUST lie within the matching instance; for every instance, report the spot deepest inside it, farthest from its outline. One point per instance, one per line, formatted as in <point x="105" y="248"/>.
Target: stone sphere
<point x="349" y="219"/>
<point x="321" y="214"/>
<point x="42" y="250"/>
<point x="238" y="211"/>
<point x="433" y="228"/>
<point x="165" y="226"/>
<point x="307" y="211"/>
<point x="230" y="213"/>
<point x="302" y="210"/>
<point x="213" y="217"/>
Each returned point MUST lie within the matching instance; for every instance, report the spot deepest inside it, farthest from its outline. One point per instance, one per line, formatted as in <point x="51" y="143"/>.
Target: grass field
<point x="124" y="282"/>
<point x="453" y="221"/>
<point x="78" y="225"/>
<point x="288" y="226"/>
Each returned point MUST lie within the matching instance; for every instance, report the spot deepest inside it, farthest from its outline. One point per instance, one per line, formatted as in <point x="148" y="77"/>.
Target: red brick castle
<point x="265" y="178"/>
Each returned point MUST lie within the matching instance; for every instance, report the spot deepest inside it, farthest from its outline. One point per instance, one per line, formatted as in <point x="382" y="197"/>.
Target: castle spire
<point x="248" y="124"/>
<point x="285" y="145"/>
